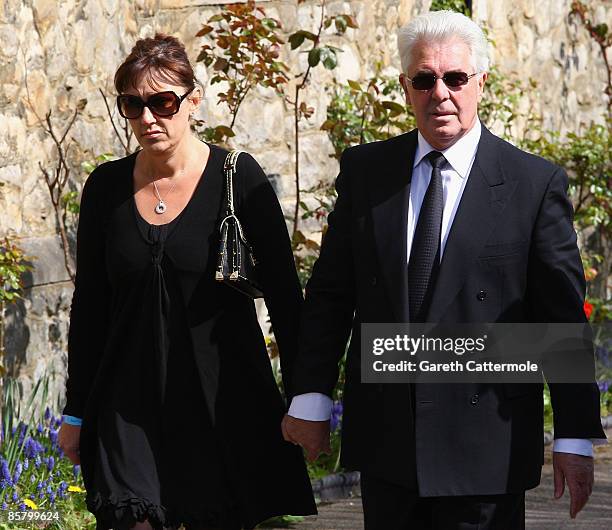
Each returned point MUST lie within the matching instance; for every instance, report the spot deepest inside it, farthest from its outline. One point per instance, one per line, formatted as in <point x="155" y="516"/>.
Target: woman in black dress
<point x="171" y="405"/>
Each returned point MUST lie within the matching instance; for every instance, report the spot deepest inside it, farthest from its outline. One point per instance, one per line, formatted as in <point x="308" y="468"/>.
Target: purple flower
<point x="47" y="414"/>
<point x="26" y="463"/>
<point x="4" y="470"/>
<point x="4" y="506"/>
<point x="603" y="386"/>
<point x="39" y="429"/>
<point x="50" y="463"/>
<point x="18" y="471"/>
<point x="53" y="436"/>
<point x="49" y="490"/>
<point x="32" y="448"/>
<point x="22" y="430"/>
<point x="336" y="415"/>
<point x="41" y="495"/>
<point x="52" y="498"/>
<point x="27" y="448"/>
<point x="39" y="486"/>
<point x="15" y="496"/>
<point x="32" y="479"/>
<point x="76" y="469"/>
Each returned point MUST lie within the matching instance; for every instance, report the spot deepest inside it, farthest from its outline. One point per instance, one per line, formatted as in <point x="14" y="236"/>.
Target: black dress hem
<point x="113" y="513"/>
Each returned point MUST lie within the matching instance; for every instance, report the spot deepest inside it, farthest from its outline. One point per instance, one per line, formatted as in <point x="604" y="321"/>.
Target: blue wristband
<point x="72" y="420"/>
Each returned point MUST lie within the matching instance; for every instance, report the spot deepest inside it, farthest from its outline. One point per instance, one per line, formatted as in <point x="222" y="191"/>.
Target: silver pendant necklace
<point x="161" y="207"/>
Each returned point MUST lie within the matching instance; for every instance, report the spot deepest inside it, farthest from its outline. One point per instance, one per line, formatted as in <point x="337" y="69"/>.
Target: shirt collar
<point x="459" y="155"/>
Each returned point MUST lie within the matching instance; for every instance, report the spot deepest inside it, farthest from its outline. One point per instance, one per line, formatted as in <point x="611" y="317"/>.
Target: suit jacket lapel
<point x="389" y="196"/>
<point x="483" y="201"/>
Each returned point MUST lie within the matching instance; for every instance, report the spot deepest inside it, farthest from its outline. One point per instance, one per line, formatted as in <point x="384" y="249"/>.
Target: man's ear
<point x="481" y="83"/>
<point x="404" y="82"/>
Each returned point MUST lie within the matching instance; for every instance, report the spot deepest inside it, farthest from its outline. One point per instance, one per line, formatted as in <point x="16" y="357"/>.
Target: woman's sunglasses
<point x="451" y="80"/>
<point x="162" y="104"/>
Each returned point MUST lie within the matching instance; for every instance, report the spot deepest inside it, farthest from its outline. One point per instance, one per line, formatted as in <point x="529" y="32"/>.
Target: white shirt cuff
<point x="311" y="406"/>
<point x="577" y="446"/>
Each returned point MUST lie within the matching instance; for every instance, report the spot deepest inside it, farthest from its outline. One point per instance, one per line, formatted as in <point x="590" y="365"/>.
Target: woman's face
<point x="158" y="134"/>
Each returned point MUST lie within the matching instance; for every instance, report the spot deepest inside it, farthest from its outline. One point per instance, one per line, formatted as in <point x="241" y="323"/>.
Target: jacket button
<point x="474" y="399"/>
<point x="481" y="295"/>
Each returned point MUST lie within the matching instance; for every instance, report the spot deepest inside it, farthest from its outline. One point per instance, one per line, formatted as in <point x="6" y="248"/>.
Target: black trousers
<point x="388" y="506"/>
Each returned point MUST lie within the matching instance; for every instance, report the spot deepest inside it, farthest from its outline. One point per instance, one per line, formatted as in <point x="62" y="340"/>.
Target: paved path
<point x="542" y="511"/>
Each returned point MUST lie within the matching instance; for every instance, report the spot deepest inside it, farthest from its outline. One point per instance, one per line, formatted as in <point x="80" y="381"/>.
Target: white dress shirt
<point x="460" y="158"/>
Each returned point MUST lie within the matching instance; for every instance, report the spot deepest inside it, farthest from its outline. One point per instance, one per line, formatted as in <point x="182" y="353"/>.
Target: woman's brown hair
<point x="161" y="58"/>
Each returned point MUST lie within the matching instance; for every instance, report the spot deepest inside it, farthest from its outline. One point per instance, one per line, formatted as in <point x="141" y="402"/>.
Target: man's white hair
<point x="439" y="26"/>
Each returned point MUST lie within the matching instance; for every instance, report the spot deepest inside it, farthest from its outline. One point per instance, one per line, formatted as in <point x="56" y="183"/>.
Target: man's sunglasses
<point x="451" y="80"/>
<point x="162" y="104"/>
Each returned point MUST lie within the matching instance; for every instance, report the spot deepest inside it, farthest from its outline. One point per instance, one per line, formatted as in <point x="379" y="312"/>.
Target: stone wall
<point x="54" y="54"/>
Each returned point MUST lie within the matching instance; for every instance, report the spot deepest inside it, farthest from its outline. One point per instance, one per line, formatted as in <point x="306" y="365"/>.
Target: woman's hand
<point x="68" y="439"/>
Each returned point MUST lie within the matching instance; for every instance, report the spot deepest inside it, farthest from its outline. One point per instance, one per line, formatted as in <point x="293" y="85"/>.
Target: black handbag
<point x="237" y="264"/>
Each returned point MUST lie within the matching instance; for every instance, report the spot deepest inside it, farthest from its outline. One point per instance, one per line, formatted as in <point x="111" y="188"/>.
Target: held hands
<point x="577" y="471"/>
<point x="68" y="440"/>
<point x="313" y="436"/>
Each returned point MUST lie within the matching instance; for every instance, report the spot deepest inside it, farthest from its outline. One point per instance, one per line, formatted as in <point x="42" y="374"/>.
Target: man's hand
<point x="313" y="436"/>
<point x="577" y="471"/>
<point x="68" y="440"/>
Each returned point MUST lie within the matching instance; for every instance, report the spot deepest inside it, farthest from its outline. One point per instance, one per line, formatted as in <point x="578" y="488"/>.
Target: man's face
<point x="443" y="114"/>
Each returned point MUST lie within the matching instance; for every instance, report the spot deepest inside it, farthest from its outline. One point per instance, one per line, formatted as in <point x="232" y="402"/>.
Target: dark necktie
<point x="424" y="259"/>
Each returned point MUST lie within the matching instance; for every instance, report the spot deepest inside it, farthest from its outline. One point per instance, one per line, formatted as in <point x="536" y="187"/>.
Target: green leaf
<point x="393" y="106"/>
<point x="296" y="40"/>
<point x="225" y="131"/>
<point x="309" y="35"/>
<point x="269" y="23"/>
<point x="314" y="56"/>
<point x="298" y="237"/>
<point x="601" y="30"/>
<point x="354" y="85"/>
<point x="341" y="24"/>
<point x="329" y="58"/>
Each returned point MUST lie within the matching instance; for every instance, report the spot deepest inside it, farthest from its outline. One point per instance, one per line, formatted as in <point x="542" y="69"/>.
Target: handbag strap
<point x="229" y="168"/>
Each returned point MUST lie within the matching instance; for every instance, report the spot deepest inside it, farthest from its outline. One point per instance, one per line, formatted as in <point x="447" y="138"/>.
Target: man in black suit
<point x="447" y="223"/>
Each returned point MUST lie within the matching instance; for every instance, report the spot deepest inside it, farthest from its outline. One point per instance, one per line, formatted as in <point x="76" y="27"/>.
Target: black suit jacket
<point x="512" y="237"/>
